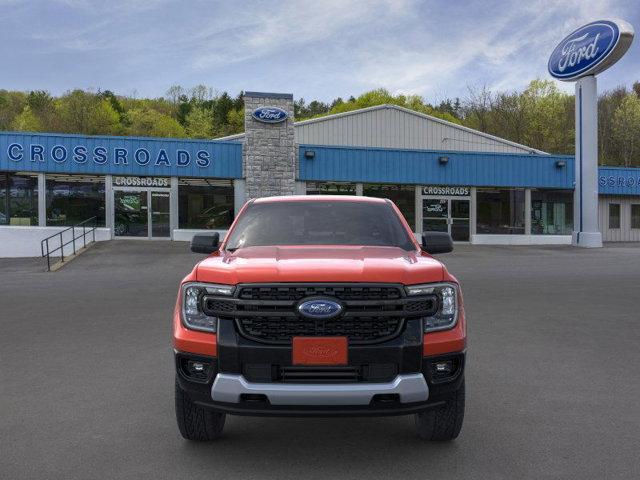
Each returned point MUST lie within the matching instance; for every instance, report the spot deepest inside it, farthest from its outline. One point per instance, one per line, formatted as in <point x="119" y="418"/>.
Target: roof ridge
<point x="382" y="106"/>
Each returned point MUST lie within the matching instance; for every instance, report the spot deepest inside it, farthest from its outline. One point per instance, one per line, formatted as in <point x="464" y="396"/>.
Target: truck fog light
<point x="199" y="367"/>
<point x="443" y="370"/>
<point x="444" y="367"/>
<point x="199" y="370"/>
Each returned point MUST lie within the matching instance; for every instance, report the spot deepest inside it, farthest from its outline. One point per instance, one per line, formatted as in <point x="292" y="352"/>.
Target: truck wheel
<point x="442" y="423"/>
<point x="196" y="422"/>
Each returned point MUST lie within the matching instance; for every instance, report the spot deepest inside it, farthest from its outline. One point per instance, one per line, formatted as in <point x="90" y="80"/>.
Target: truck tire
<point x="195" y="422"/>
<point x="443" y="423"/>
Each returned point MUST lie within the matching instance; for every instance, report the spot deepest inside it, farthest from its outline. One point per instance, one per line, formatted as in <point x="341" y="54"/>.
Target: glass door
<point x="449" y="215"/>
<point x="131" y="213"/>
<point x="160" y="226"/>
<point x="435" y="214"/>
<point x="459" y="220"/>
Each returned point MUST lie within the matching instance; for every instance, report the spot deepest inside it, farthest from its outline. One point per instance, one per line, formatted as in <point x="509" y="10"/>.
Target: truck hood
<point x="320" y="264"/>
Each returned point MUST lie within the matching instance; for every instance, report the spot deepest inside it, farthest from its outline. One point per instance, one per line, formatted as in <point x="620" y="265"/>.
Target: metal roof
<point x="392" y="126"/>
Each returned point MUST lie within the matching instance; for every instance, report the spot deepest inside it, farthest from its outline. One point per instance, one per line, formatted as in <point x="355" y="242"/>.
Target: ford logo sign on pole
<point x="590" y="49"/>
<point x="585" y="52"/>
<point x="320" y="309"/>
<point x="270" y="114"/>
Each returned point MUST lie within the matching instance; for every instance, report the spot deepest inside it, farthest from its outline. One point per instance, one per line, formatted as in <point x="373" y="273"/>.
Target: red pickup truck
<point x="320" y="306"/>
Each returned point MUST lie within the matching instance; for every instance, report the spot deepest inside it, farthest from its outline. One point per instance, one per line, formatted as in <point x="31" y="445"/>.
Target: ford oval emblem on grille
<point x="319" y="309"/>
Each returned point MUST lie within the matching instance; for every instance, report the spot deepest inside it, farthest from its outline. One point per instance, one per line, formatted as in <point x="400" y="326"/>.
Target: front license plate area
<point x="320" y="351"/>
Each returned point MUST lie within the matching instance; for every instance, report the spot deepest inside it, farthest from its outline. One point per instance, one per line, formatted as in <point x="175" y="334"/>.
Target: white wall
<point x="25" y="241"/>
<point x="521" y="239"/>
<point x="625" y="233"/>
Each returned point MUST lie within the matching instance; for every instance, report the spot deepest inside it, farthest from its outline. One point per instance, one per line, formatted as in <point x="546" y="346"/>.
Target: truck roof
<point x="319" y="198"/>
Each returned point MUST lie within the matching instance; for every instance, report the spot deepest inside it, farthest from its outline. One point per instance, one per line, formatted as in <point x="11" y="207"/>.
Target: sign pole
<point x="579" y="57"/>
<point x="585" y="203"/>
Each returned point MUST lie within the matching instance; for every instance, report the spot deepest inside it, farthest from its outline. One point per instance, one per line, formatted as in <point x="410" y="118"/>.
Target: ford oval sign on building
<point x="270" y="114"/>
<point x="590" y="49"/>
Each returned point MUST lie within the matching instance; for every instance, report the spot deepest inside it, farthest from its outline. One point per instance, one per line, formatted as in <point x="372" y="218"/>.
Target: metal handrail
<point x="86" y="230"/>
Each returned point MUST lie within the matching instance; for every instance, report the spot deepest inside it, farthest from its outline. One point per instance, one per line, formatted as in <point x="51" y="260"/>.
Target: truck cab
<point x="320" y="306"/>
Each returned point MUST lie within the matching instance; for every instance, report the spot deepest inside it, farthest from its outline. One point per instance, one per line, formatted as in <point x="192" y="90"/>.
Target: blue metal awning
<point x="380" y="165"/>
<point x="57" y="153"/>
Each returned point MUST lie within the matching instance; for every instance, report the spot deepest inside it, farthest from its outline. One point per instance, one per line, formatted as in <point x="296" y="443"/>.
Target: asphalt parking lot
<point x="553" y="379"/>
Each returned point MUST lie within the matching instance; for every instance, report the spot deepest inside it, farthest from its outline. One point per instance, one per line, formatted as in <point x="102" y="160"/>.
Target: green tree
<point x="626" y="129"/>
<point x="198" y="123"/>
<point x="75" y="109"/>
<point x="27" y="121"/>
<point x="104" y="120"/>
<point x="43" y="105"/>
<point x="509" y="116"/>
<point x="609" y="151"/>
<point x="220" y="110"/>
<point x="147" y="122"/>
<point x="382" y="96"/>
<point x="235" y="121"/>
<point x="116" y="104"/>
<point x="546" y="107"/>
<point x="11" y="105"/>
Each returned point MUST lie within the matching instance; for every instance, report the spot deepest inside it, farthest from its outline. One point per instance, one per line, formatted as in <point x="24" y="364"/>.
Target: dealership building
<point x="443" y="177"/>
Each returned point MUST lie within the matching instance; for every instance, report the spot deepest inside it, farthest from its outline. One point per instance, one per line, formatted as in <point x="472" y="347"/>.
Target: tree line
<point x="540" y="116"/>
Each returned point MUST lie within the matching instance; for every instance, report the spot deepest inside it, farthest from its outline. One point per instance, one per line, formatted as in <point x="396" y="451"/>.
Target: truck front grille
<point x="268" y="314"/>
<point x="298" y="292"/>
<point x="357" y="329"/>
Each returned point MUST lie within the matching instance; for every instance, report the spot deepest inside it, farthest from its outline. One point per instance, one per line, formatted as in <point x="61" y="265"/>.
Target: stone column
<point x="269" y="155"/>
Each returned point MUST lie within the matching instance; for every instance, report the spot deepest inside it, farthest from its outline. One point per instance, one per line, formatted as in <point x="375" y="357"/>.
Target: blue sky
<point x="314" y="49"/>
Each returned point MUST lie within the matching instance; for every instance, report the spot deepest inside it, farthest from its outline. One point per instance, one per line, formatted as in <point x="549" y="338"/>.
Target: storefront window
<point x="330" y="188"/>
<point x="500" y="211"/>
<point x="614" y="215"/>
<point x="551" y="212"/>
<point x="635" y="215"/>
<point x="18" y="199"/>
<point x="205" y="203"/>
<point x="404" y="196"/>
<point x="72" y="199"/>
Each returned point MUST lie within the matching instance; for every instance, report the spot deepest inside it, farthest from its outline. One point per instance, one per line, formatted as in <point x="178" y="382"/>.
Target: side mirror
<point x="437" y="242"/>
<point x="205" y="243"/>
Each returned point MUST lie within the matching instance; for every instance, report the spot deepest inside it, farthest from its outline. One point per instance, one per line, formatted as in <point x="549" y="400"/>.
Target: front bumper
<point x="407" y="393"/>
<point x="410" y="388"/>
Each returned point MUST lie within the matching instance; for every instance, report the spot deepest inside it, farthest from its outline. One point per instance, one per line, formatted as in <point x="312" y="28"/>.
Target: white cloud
<point x="318" y="49"/>
<point x="289" y="25"/>
<point x="503" y="51"/>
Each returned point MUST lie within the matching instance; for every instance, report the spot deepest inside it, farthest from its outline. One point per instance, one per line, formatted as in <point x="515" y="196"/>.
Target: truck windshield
<point x="319" y="223"/>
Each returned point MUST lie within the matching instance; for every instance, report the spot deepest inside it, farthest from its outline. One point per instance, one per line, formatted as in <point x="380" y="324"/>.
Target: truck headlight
<point x="192" y="314"/>
<point x="446" y="316"/>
